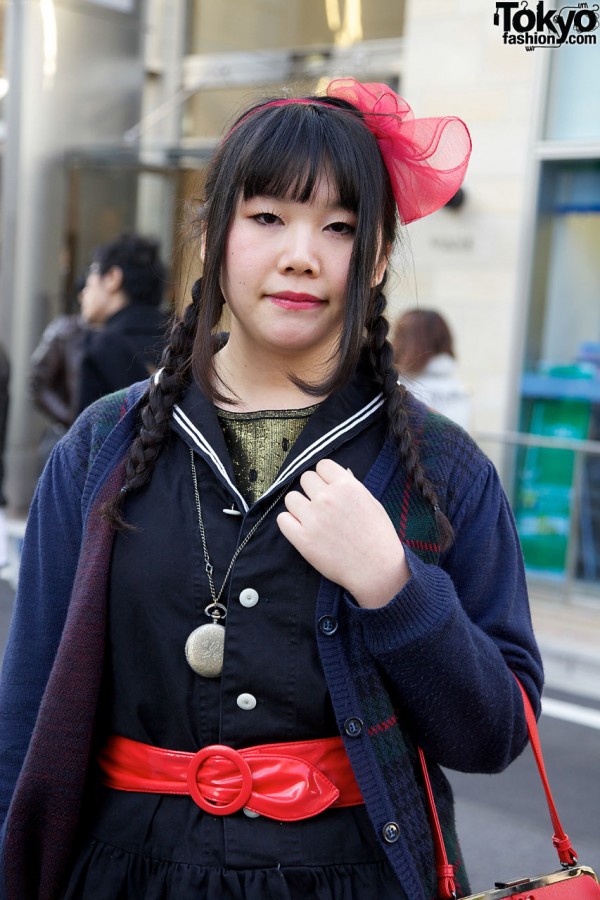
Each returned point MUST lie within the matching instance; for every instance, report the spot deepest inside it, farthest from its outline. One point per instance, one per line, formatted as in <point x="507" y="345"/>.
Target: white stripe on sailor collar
<point x="204" y="447"/>
<point x="326" y="439"/>
<point x="315" y="448"/>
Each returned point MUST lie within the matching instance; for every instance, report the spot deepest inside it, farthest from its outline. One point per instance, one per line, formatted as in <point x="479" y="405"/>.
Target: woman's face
<point x="285" y="275"/>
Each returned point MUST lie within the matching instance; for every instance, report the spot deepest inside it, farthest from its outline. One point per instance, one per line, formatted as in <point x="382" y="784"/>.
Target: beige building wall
<point x="465" y="262"/>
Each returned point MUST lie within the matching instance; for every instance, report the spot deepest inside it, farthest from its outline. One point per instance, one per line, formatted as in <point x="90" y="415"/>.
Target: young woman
<point x="253" y="587"/>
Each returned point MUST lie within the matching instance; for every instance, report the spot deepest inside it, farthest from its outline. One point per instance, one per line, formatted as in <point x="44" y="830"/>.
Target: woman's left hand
<point x="339" y="527"/>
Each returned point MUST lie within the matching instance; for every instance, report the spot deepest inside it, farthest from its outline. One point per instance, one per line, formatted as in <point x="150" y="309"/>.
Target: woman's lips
<point x="292" y="300"/>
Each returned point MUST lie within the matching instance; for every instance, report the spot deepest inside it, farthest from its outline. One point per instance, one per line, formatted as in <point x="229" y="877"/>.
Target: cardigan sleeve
<point x="452" y="637"/>
<point x="48" y="564"/>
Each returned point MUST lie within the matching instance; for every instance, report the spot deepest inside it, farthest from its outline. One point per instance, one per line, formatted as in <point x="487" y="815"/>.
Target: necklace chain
<point x="219" y="611"/>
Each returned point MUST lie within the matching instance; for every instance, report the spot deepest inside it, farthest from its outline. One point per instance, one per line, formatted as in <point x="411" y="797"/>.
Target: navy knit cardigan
<point x="450" y="642"/>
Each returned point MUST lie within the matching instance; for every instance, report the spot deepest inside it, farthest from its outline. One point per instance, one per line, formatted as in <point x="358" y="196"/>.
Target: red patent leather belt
<point x="286" y="782"/>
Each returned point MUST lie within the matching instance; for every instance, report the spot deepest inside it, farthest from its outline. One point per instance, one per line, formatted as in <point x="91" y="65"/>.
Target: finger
<point x="329" y="470"/>
<point x="290" y="527"/>
<point x="312" y="483"/>
<point x="296" y="504"/>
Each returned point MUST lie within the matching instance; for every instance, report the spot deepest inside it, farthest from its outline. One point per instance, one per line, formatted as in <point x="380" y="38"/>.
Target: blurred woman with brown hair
<point x="426" y="362"/>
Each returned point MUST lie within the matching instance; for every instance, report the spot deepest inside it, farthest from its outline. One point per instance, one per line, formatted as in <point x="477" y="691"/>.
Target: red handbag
<point x="571" y="882"/>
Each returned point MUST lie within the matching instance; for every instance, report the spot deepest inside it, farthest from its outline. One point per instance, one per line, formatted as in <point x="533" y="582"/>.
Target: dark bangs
<point x="288" y="152"/>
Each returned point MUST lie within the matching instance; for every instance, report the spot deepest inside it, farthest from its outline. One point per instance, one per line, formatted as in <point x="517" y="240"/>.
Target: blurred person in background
<point x="121" y="301"/>
<point x="426" y="362"/>
<point x="4" y="379"/>
<point x="54" y="373"/>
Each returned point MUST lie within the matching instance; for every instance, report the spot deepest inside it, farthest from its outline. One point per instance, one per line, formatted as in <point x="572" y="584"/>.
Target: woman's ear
<point x="381" y="267"/>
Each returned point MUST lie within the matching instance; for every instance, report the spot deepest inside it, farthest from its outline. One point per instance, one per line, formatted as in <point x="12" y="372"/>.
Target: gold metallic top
<point x="258" y="443"/>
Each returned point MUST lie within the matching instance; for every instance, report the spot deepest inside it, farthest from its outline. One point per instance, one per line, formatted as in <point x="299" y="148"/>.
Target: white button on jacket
<point x="246" y="701"/>
<point x="249" y="597"/>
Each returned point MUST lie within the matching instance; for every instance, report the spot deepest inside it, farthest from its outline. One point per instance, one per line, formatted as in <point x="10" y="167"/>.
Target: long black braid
<point x="176" y="374"/>
<point x="381" y="355"/>
<point x="247" y="164"/>
<point x="156" y="405"/>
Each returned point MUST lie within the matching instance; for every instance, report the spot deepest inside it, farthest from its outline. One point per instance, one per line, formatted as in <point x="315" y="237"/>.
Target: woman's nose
<point x="299" y="252"/>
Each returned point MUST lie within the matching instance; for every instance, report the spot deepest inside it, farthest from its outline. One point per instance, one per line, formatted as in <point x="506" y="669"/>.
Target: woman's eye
<point x="266" y="218"/>
<point x="342" y="228"/>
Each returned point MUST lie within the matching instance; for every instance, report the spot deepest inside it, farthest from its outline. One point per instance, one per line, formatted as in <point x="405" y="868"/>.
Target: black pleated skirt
<point x="152" y="847"/>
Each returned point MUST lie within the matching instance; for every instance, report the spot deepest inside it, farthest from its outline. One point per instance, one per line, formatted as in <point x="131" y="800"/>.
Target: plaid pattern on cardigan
<point x="45" y="806"/>
<point x="391" y="754"/>
<point x="383" y="758"/>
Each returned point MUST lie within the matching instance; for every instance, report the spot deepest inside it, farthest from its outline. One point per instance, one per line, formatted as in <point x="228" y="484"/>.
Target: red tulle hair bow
<point x="426" y="158"/>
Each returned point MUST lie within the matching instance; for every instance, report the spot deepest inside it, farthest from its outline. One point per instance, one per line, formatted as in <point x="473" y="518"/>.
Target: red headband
<point x="426" y="158"/>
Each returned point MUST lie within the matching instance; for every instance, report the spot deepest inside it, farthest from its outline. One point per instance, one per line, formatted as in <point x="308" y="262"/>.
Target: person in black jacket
<point x="122" y="299"/>
<point x="54" y="370"/>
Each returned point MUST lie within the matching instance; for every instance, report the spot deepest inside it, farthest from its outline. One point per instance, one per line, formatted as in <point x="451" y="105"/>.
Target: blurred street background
<point x="109" y="110"/>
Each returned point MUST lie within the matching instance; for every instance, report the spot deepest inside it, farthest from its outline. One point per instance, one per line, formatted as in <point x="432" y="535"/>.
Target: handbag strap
<point x="560" y="840"/>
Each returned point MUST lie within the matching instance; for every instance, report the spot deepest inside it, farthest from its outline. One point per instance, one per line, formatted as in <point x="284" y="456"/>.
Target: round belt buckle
<point x="242" y="767"/>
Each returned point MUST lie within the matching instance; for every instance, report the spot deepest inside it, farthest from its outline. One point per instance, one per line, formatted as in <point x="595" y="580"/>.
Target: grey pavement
<point x="568" y="632"/>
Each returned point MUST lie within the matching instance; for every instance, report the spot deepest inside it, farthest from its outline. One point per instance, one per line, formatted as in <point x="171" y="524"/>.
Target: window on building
<point x="230" y="26"/>
<point x="558" y="492"/>
<point x="565" y="311"/>
<point x="573" y="107"/>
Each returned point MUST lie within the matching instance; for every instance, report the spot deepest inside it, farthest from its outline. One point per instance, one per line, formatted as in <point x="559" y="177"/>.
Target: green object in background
<point x="545" y="476"/>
